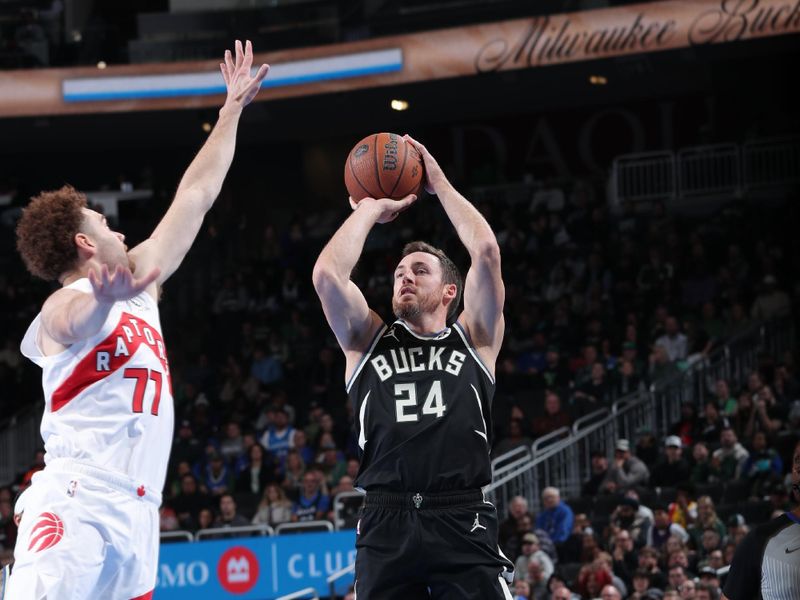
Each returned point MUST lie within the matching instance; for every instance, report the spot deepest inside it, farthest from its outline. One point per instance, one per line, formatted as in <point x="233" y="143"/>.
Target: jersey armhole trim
<point x="468" y="343"/>
<point x="793" y="517"/>
<point x="365" y="357"/>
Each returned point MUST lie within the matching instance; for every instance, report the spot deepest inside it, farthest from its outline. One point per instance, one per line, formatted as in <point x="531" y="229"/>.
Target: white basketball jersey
<point x="108" y="399"/>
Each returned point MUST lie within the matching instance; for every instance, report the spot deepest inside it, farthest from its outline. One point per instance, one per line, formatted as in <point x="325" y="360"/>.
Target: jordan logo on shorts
<point x="476" y="524"/>
<point x="46" y="533"/>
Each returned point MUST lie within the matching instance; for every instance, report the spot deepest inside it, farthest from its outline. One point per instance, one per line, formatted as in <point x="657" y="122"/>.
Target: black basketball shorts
<point x="442" y="546"/>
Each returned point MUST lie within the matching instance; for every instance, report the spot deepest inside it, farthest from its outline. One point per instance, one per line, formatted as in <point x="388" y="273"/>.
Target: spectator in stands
<point x="677" y="577"/>
<point x="516" y="438"/>
<point x="599" y="471"/>
<point x="266" y="368"/>
<point x="312" y="504"/>
<point x="555" y="375"/>
<point x="627" y="470"/>
<point x="663" y="528"/>
<point x="626" y="380"/>
<point x="228" y="515"/>
<point x="737" y="528"/>
<point x="556" y="518"/>
<point x="331" y="460"/>
<point x="626" y="516"/>
<point x="532" y="551"/>
<point x="648" y="561"/>
<point x="685" y="427"/>
<point x="554" y="416"/>
<point x="592" y="578"/>
<point x="706" y="519"/>
<point x="279" y="436"/>
<point x="300" y="443"/>
<point x="610" y="592"/>
<point x="687" y="589"/>
<point x="217" y="477"/>
<point x="768" y="415"/>
<point x="771" y="301"/>
<point x="640" y="585"/>
<point x="593" y="394"/>
<point x="232" y="444"/>
<point x="517" y="508"/>
<point x="274" y="508"/>
<point x="727" y="460"/>
<point x="762" y="465"/>
<point x="605" y="560"/>
<point x="711" y="424"/>
<point x="673" y="341"/>
<point x="189" y="502"/>
<point x="701" y="471"/>
<point x="536" y="579"/>
<point x="292" y="473"/>
<point x="661" y="367"/>
<point x="205" y="519"/>
<point x="709" y="542"/>
<point x="522" y="590"/>
<point x="725" y="400"/>
<point x="624" y="555"/>
<point x="674" y="468"/>
<point x="186" y="447"/>
<point x="260" y="471"/>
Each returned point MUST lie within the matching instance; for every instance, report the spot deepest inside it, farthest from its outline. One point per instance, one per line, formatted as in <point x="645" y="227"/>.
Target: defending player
<point x="90" y="528"/>
<point x="422" y="393"/>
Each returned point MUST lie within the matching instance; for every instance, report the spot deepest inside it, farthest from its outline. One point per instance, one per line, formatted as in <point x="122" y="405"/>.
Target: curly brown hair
<point x="46" y="232"/>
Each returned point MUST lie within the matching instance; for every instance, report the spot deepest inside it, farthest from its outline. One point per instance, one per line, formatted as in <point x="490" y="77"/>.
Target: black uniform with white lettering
<point x="423" y="421"/>
<point x="767" y="562"/>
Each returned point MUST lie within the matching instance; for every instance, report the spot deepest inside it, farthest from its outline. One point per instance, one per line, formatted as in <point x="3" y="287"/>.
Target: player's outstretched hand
<point x="387" y="208"/>
<point x="119" y="285"/>
<point x="242" y="85"/>
<point x="434" y="176"/>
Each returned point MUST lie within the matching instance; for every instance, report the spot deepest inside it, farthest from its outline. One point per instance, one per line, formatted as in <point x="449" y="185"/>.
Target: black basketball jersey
<point x="423" y="412"/>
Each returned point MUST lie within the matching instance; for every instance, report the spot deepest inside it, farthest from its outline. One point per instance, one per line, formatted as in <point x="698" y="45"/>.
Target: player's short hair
<point x="46" y="232"/>
<point x="450" y="272"/>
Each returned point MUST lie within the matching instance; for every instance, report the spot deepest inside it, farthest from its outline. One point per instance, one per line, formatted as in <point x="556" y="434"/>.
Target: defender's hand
<point x="242" y="86"/>
<point x="119" y="285"/>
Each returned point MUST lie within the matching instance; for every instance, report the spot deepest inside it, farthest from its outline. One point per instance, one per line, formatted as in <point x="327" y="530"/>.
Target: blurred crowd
<point x="598" y="302"/>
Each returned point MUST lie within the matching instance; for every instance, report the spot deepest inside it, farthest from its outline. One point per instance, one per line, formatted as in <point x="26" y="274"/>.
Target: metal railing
<point x="566" y="464"/>
<point x="712" y="171"/>
<point x="304" y="526"/>
<point x="340" y="503"/>
<point x="334" y="577"/>
<point x="308" y="593"/>
<point x="168" y="536"/>
<point x="241" y="531"/>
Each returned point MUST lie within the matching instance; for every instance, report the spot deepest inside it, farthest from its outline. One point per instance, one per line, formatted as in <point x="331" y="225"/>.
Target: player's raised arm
<point x="201" y="184"/>
<point x="484" y="293"/>
<point x="352" y="321"/>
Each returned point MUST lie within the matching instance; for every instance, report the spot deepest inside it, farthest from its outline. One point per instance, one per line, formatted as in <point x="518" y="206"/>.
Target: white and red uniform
<point x="90" y="526"/>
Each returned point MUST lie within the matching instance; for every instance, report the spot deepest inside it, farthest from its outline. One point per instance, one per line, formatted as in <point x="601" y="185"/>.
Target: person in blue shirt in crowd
<point x="556" y="518"/>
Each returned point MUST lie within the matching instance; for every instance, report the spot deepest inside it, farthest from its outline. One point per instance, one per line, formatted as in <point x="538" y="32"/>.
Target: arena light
<point x="101" y="64"/>
<point x="206" y="126"/>
<point x="399" y="104"/>
<point x="598" y="80"/>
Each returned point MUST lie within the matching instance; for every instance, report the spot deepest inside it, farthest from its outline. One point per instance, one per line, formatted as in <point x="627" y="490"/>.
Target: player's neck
<point x="427" y="324"/>
<point x="80" y="272"/>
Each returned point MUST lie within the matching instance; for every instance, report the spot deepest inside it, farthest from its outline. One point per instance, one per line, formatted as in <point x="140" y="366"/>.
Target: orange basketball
<point x="383" y="165"/>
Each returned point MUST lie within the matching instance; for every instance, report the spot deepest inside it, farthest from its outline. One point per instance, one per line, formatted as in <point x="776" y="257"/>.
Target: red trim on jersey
<point x="146" y="596"/>
<point x="130" y="333"/>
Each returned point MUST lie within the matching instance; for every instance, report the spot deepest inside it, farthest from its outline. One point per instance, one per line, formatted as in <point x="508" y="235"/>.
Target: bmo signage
<point x="259" y="568"/>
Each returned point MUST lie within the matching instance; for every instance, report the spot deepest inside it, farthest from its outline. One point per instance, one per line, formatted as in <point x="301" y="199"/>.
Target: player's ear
<point x="85" y="244"/>
<point x="450" y="291"/>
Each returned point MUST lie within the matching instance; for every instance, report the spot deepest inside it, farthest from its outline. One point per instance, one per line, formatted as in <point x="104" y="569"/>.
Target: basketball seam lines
<point x="417" y="184"/>
<point x="403" y="166"/>
<point x="355" y="176"/>
<point x="377" y="173"/>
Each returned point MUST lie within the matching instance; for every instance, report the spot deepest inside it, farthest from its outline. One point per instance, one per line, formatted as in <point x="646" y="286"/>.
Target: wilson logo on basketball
<point x="237" y="570"/>
<point x="46" y="533"/>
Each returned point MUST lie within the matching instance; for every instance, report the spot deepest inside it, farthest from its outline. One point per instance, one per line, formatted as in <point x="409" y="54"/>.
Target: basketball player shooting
<point x="90" y="526"/>
<point x="422" y="393"/>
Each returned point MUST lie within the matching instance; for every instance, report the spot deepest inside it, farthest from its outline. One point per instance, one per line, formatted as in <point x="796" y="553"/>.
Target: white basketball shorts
<point x="85" y="534"/>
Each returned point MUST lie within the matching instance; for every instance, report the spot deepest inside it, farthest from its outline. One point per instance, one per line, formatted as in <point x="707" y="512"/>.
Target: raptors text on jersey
<point x="109" y="398"/>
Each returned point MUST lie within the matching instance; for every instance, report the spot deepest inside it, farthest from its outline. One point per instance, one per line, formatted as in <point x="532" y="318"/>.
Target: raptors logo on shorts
<point x="46" y="533"/>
